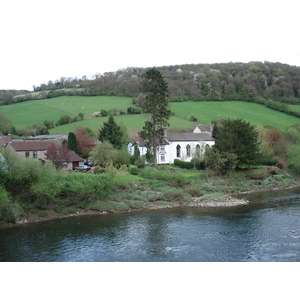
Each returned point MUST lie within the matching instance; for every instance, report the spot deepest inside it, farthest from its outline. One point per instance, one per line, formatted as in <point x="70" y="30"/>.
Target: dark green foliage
<point x="65" y="119"/>
<point x="183" y="164"/>
<point x="134" y="110"/>
<point x="103" y="113"/>
<point x="112" y="133"/>
<point x="155" y="105"/>
<point x="49" y="124"/>
<point x="237" y="137"/>
<point x="72" y="142"/>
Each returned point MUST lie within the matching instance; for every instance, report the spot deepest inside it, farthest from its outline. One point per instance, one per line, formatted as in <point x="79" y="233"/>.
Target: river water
<point x="268" y="230"/>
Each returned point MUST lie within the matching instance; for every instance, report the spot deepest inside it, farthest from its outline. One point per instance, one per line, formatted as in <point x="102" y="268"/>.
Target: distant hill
<point x="273" y="84"/>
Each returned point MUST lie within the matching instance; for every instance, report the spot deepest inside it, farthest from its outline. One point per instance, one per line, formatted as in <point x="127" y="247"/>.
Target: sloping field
<point x="27" y="113"/>
<point x="294" y="107"/>
<point x="256" y="114"/>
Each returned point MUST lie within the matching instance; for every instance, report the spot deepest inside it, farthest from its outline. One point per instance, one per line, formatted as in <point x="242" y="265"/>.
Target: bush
<point x="184" y="164"/>
<point x="99" y="170"/>
<point x="9" y="211"/>
<point x="103" y="113"/>
<point x="133" y="170"/>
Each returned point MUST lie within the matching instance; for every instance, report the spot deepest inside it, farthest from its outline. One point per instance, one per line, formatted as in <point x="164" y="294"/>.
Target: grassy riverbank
<point x="150" y="189"/>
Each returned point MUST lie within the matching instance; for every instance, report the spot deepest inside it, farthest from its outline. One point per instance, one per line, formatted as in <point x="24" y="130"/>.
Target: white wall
<point x="171" y="151"/>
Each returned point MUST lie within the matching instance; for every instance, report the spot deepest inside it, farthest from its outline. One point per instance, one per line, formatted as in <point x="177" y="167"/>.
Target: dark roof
<point x="4" y="140"/>
<point x="187" y="136"/>
<point x="74" y="157"/>
<point x="30" y="146"/>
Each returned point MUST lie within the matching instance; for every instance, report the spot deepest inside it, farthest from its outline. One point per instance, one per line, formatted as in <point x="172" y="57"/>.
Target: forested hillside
<point x="254" y="81"/>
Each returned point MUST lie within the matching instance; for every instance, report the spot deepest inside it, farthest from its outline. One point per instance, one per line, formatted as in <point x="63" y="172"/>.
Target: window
<point x="34" y="154"/>
<point x="188" y="150"/>
<point x="178" y="150"/>
<point x="162" y="153"/>
<point x="162" y="157"/>
<point x="27" y="154"/>
<point x="198" y="150"/>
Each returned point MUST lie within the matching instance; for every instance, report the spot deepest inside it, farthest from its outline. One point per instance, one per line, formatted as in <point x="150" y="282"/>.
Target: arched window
<point x="198" y="150"/>
<point x="178" y="150"/>
<point x="188" y="150"/>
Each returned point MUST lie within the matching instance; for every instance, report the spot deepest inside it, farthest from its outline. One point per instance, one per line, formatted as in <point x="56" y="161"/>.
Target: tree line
<point x="253" y="81"/>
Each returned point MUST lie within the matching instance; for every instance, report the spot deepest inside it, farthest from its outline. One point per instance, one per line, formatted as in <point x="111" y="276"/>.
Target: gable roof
<point x="30" y="146"/>
<point x="74" y="157"/>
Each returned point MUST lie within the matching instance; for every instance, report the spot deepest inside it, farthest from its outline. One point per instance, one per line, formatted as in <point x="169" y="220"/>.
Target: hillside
<point x="185" y="114"/>
<point x="253" y="81"/>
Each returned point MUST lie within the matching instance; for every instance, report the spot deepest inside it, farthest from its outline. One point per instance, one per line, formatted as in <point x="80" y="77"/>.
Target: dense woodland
<point x="254" y="81"/>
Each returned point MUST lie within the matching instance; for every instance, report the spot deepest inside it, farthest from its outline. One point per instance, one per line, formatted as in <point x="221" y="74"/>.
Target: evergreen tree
<point x="156" y="106"/>
<point x="72" y="142"/>
<point x="112" y="133"/>
<point x="237" y="137"/>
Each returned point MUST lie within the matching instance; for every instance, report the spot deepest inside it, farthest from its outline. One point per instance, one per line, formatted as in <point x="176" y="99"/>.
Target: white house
<point x="183" y="146"/>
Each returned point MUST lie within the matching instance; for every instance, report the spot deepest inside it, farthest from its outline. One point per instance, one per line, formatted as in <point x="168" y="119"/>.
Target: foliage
<point x="184" y="164"/>
<point x="49" y="124"/>
<point x="112" y="133"/>
<point x="65" y="119"/>
<point x="176" y="178"/>
<point x="293" y="154"/>
<point x="103" y="154"/>
<point x="72" y="142"/>
<point x="84" y="141"/>
<point x="103" y="113"/>
<point x="155" y="105"/>
<point x="133" y="170"/>
<point x="9" y="211"/>
<point x="58" y="155"/>
<point x="6" y="126"/>
<point x="237" y="137"/>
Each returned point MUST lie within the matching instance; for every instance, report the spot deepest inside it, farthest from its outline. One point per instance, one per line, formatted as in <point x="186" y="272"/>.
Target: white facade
<point x="183" y="146"/>
<point x="183" y="150"/>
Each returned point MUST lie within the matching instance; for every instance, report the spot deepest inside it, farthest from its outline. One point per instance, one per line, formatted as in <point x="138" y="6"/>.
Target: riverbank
<point x="212" y="201"/>
<point x="208" y="191"/>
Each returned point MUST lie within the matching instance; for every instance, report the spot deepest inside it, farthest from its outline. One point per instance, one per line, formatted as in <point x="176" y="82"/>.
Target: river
<point x="266" y="230"/>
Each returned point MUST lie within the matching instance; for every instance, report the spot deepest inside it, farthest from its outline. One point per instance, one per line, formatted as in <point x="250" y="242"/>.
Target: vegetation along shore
<point x="253" y="144"/>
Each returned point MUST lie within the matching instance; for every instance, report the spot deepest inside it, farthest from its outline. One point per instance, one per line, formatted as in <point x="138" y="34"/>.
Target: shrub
<point x="9" y="211"/>
<point x="99" y="170"/>
<point x="257" y="174"/>
<point x="184" y="164"/>
<point x="103" y="113"/>
<point x="133" y="170"/>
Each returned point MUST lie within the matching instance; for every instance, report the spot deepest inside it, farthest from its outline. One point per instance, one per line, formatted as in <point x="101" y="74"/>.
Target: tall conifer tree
<point x="156" y="106"/>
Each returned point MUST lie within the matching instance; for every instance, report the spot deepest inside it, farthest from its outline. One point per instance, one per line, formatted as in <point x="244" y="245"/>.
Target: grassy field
<point x="294" y="107"/>
<point x="27" y="113"/>
<point x="256" y="114"/>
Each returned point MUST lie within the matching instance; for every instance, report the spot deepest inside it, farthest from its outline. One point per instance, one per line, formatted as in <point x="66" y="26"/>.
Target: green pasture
<point x="135" y="122"/>
<point x="27" y="113"/>
<point x="254" y="113"/>
<point x="294" y="107"/>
